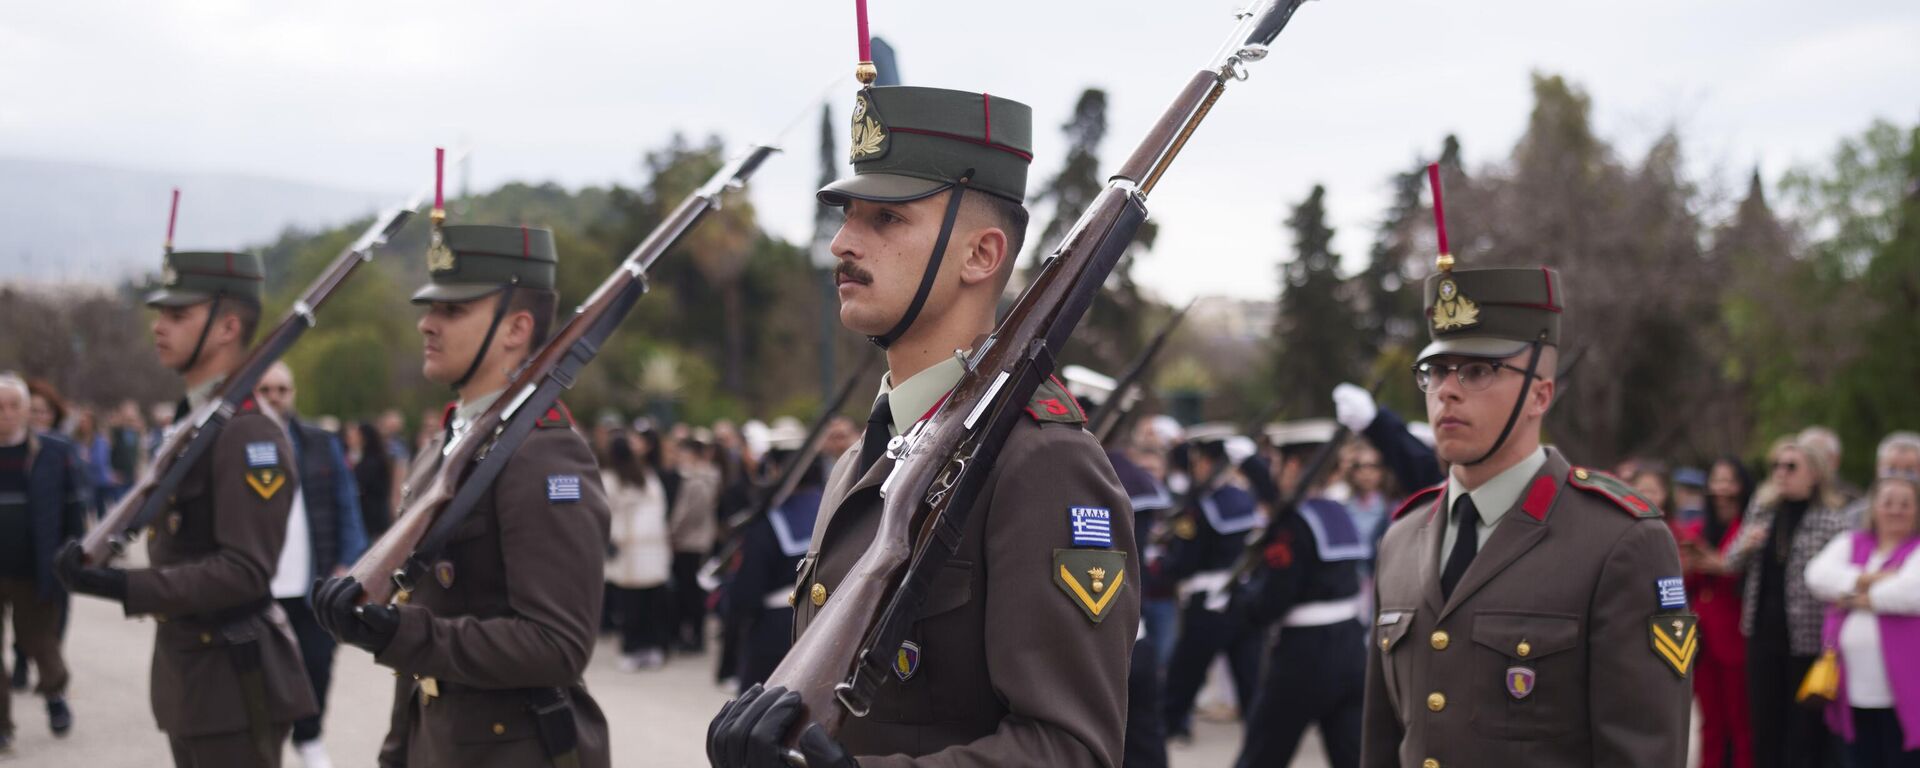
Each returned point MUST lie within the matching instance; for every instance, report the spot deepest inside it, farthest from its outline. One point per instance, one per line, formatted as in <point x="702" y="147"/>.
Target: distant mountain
<point x="72" y="222"/>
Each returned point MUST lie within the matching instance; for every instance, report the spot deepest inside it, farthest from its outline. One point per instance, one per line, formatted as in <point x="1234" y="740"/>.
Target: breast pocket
<point x="943" y="656"/>
<point x="1530" y="677"/>
<point x="1389" y="628"/>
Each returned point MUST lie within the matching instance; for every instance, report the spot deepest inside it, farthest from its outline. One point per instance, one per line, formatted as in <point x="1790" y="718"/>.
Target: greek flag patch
<point x="1092" y="526"/>
<point x="262" y="455"/>
<point x="1673" y="593"/>
<point x="563" y="487"/>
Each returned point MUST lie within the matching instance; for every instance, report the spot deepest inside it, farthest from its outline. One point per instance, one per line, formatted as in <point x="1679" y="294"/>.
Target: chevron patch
<point x="1675" y="639"/>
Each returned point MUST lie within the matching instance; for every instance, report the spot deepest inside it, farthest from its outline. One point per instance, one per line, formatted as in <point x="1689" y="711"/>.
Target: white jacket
<point x="639" y="532"/>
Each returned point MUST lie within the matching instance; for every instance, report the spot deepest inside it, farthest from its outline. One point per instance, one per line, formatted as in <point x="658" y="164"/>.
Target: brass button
<point x="1384" y="643"/>
<point x="791" y="596"/>
<point x="1429" y="763"/>
<point x="1581" y="474"/>
<point x="1523" y="648"/>
<point x="1439" y="641"/>
<point x="818" y="595"/>
<point x="206" y="639"/>
<point x="1436" y="701"/>
<point x="499" y="729"/>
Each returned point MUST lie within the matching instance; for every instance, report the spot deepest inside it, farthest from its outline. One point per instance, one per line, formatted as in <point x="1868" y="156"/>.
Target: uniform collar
<point x="467" y="410"/>
<point x="1499" y="494"/>
<point x="917" y="395"/>
<point x="197" y="397"/>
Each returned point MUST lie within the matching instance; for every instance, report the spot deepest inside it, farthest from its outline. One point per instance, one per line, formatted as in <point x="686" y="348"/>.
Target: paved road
<point x="658" y="718"/>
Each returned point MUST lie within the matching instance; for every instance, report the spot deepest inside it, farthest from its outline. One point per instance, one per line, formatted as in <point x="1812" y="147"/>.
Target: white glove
<point x="1353" y="407"/>
<point x="1239" y="449"/>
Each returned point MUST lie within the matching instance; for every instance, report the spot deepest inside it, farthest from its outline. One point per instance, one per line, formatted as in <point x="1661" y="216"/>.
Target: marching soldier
<point x="489" y="649"/>
<point x="227" y="680"/>
<point x="771" y="548"/>
<point x="1208" y="535"/>
<point x="1308" y="584"/>
<point x="1530" y="612"/>
<point x="1020" y="654"/>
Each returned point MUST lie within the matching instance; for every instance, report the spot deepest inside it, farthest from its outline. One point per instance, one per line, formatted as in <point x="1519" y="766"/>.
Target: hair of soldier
<point x="247" y="312"/>
<point x="540" y="304"/>
<point x="1006" y="215"/>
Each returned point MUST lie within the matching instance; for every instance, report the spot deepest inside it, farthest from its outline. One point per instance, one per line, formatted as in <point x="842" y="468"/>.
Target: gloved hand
<point x="336" y="607"/>
<point x="1354" y="407"/>
<point x="747" y="733"/>
<point x="110" y="583"/>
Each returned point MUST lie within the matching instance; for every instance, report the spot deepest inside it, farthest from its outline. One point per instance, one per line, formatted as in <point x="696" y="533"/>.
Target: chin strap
<point x="1526" y="385"/>
<point x="213" y="313"/>
<point x="899" y="329"/>
<point x="499" y="313"/>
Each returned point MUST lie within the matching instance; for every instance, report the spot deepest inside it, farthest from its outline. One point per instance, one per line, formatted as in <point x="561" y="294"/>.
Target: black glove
<point x="336" y="607"/>
<point x="110" y="583"/>
<point x="747" y="733"/>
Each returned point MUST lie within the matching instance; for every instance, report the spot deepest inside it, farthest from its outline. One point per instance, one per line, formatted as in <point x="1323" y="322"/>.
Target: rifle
<point x="191" y="439"/>
<point x="1310" y="474"/>
<point x="471" y="462"/>
<point x="790" y="474"/>
<point x="1106" y="421"/>
<point x="943" y="461"/>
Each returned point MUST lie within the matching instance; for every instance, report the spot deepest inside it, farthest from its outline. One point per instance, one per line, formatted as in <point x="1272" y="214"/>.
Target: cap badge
<point x="1452" y="310"/>
<point x="868" y="136"/>
<point x="168" y="277"/>
<point x="439" y="256"/>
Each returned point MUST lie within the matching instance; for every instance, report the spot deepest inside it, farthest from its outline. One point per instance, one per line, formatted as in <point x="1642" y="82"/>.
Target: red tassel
<point x="860" y="16"/>
<point x="1439" y="211"/>
<point x="439" y="174"/>
<point x="173" y="214"/>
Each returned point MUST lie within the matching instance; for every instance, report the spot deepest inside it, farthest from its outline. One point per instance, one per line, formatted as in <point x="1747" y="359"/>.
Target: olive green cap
<point x="1492" y="313"/>
<point x="910" y="142"/>
<point x="193" y="277"/>
<point x="477" y="260"/>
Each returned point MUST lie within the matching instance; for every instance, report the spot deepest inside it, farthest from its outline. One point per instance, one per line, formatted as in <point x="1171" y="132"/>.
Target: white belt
<point x="1206" y="581"/>
<point x="778" y="599"/>
<point x="1322" y="613"/>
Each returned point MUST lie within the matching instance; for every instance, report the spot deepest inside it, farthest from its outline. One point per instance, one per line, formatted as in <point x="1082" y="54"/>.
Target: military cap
<point x="476" y="260"/>
<point x="1087" y="384"/>
<point x="1304" y="432"/>
<point x="193" y="277"/>
<point x="1491" y="313"/>
<point x="786" y="434"/>
<point x="1212" y="432"/>
<point x="910" y="142"/>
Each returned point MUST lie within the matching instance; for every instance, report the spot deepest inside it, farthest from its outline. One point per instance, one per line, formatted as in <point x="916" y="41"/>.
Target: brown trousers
<point x="227" y="750"/>
<point x="36" y="625"/>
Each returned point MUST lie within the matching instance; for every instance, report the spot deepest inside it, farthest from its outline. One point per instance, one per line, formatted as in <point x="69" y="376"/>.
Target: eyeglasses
<point x="1474" y="376"/>
<point x="276" y="390"/>
<point x="1790" y="466"/>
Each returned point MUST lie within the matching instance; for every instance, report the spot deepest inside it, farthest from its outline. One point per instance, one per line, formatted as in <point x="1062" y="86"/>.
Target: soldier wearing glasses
<point x="1530" y="612"/>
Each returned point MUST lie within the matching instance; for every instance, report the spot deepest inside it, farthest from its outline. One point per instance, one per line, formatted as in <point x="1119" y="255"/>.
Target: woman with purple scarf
<point x="1873" y="579"/>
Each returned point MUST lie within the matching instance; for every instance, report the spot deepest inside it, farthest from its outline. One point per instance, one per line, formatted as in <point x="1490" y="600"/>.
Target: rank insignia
<point x="1092" y="526"/>
<point x="563" y="487"/>
<point x="266" y="481"/>
<point x="1520" y="682"/>
<point x="1090" y="578"/>
<point x="1675" y="639"/>
<point x="1452" y="310"/>
<point x="906" y="661"/>
<point x="443" y="573"/>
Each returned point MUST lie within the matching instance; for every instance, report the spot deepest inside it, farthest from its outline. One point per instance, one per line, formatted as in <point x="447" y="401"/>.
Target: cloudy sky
<point x="355" y="93"/>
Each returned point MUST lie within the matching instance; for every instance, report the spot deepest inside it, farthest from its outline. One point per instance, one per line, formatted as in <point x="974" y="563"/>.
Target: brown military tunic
<point x="511" y="605"/>
<point x="1559" y="646"/>
<point x="1010" y="670"/>
<point x="213" y="554"/>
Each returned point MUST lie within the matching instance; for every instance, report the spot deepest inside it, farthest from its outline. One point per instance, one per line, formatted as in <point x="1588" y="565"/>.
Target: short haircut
<point x="540" y="303"/>
<point x="1009" y="216"/>
<point x="249" y="314"/>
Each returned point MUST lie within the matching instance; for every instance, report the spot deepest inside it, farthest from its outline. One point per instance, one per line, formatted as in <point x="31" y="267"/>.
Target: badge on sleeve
<point x="1090" y="578"/>
<point x="263" y="469"/>
<point x="1673" y="593"/>
<point x="1092" y="526"/>
<point x="1676" y="639"/>
<point x="563" y="488"/>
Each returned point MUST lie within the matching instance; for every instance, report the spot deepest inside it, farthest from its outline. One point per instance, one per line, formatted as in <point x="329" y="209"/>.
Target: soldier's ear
<point x="986" y="257"/>
<point x="516" y="330"/>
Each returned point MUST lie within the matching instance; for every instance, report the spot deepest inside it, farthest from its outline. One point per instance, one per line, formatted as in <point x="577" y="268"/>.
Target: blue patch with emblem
<point x="1092" y="526"/>
<point x="906" y="662"/>
<point x="262" y="455"/>
<point x="1673" y="592"/>
<point x="563" y="487"/>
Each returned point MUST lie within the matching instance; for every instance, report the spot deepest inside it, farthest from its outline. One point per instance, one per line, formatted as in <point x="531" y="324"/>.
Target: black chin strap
<point x="1526" y="385"/>
<point x="933" y="267"/>
<point x="213" y="313"/>
<point x="499" y="312"/>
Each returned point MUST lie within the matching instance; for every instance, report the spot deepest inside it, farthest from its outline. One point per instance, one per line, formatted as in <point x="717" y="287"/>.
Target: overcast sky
<point x="355" y="93"/>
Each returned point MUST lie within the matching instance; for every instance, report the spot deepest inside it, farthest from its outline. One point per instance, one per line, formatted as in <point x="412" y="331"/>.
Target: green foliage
<point x="1316" y="339"/>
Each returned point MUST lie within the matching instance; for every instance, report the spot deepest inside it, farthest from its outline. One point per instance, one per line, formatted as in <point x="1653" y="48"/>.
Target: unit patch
<point x="563" y="487"/>
<point x="1673" y="593"/>
<point x="1675" y="639"/>
<point x="1520" y="682"/>
<point x="1090" y="578"/>
<point x="1092" y="526"/>
<point x="443" y="573"/>
<point x="263" y="454"/>
<point x="906" y="661"/>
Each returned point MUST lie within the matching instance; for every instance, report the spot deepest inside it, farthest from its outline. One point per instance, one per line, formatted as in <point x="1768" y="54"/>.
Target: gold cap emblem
<point x="867" y="133"/>
<point x="439" y="256"/>
<point x="1452" y="310"/>
<point x="168" y="277"/>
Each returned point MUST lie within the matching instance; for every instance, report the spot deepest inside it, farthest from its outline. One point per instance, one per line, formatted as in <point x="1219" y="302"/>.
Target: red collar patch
<point x="1419" y="497"/>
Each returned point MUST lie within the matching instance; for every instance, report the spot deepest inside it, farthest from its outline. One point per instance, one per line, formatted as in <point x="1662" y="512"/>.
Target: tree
<point x="1316" y="338"/>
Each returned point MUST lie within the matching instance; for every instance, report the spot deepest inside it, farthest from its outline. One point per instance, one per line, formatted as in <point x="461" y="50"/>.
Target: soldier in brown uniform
<point x="227" y="680"/>
<point x="1010" y="664"/>
<point x="1530" y="612"/>
<point x="489" y="648"/>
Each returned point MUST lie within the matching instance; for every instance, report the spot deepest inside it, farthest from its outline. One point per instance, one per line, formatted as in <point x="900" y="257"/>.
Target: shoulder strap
<point x="1614" y="490"/>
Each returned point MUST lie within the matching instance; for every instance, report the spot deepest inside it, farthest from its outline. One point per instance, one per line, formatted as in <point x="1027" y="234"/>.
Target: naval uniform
<point x="1309" y="585"/>
<point x="503" y="622"/>
<point x="1208" y="539"/>
<point x="771" y="549"/>
<point x="1146" y="745"/>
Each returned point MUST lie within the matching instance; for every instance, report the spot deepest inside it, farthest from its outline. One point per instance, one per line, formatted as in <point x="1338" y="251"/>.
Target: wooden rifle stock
<point x="194" y="435"/>
<point x="472" y="461"/>
<point x="942" y="463"/>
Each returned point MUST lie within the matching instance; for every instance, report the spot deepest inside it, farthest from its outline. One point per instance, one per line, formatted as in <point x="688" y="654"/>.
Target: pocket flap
<point x="952" y="587"/>
<point x="487" y="717"/>
<point x="1526" y="635"/>
<point x="1390" y="625"/>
